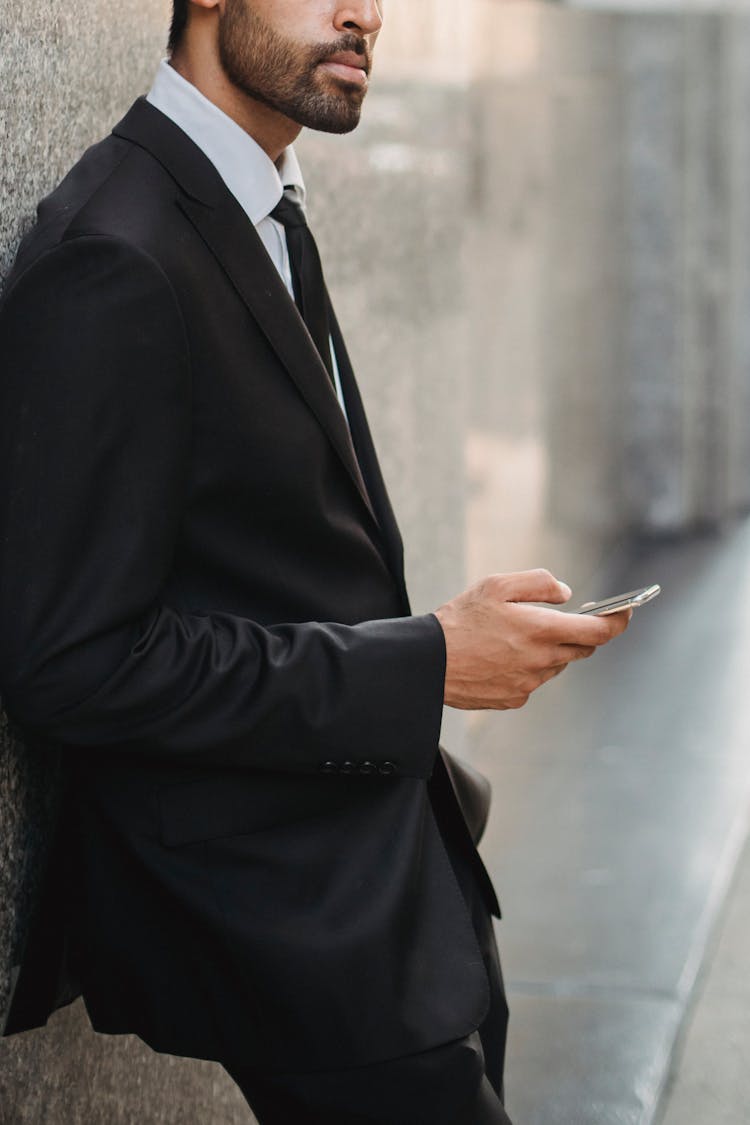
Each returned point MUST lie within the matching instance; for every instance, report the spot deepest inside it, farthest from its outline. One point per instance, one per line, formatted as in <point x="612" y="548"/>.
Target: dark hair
<point x="179" y="20"/>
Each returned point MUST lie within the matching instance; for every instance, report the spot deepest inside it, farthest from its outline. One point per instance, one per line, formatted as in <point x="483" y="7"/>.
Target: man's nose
<point x="364" y="16"/>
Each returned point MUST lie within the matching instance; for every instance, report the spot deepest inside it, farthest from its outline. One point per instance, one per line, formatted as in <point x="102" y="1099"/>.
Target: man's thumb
<point x="537" y="586"/>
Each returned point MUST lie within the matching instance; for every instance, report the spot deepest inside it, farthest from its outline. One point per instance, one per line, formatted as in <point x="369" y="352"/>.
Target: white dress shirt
<point x="249" y="173"/>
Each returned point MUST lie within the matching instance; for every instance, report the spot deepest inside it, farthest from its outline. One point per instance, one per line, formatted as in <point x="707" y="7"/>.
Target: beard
<point x="283" y="75"/>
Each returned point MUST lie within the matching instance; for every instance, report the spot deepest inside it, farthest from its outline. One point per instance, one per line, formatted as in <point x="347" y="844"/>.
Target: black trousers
<point x="459" y="1083"/>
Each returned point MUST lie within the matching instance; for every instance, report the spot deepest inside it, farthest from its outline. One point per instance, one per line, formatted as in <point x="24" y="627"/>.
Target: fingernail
<point x="565" y="588"/>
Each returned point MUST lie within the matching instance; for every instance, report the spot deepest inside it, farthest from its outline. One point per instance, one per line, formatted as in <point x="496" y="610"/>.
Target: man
<point x="264" y="858"/>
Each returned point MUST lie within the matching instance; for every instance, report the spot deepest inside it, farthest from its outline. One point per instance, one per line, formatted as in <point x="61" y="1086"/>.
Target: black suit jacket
<point x="202" y="607"/>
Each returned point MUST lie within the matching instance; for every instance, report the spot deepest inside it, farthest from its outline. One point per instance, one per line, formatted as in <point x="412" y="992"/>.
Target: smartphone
<point x="621" y="601"/>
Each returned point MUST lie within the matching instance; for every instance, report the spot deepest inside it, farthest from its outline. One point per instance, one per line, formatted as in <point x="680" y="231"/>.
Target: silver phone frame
<point x="617" y="604"/>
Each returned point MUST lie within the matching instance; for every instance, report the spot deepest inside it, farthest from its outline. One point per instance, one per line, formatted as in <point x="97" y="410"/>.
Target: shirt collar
<point x="252" y="177"/>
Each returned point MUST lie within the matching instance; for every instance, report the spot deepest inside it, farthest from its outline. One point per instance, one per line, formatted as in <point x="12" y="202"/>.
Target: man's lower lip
<point x="352" y="74"/>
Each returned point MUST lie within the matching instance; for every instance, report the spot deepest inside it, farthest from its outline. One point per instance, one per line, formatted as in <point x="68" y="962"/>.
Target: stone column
<point x="736" y="33"/>
<point x="709" y="228"/>
<point x="686" y="358"/>
<point x="652" y="50"/>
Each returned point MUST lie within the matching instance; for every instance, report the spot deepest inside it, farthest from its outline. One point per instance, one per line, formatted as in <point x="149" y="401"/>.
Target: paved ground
<point x="710" y="1082"/>
<point x="621" y="808"/>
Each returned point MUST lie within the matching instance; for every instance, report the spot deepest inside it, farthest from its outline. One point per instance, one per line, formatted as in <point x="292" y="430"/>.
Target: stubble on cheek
<point x="285" y="76"/>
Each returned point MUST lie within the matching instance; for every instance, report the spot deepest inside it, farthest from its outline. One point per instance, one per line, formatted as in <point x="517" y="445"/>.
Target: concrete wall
<point x="539" y="246"/>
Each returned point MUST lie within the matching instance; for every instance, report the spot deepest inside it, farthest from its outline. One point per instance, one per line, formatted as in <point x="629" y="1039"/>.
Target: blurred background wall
<point x="539" y="245"/>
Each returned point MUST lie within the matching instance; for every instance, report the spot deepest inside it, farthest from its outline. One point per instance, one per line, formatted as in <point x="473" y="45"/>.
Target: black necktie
<point x="307" y="276"/>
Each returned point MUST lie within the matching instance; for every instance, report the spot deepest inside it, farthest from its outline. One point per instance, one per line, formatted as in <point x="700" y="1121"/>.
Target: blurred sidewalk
<point x="711" y="1072"/>
<point x="621" y="799"/>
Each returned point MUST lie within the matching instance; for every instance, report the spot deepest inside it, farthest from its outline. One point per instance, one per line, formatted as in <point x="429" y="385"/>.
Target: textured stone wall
<point x="539" y="246"/>
<point x="67" y="72"/>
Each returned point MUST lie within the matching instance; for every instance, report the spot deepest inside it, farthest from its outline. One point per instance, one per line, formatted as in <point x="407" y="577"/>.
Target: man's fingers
<point x="620" y="621"/>
<point x="578" y="652"/>
<point x="582" y="629"/>
<point x="552" y="672"/>
<point x="610" y="626"/>
<point x="529" y="586"/>
<point x="514" y="703"/>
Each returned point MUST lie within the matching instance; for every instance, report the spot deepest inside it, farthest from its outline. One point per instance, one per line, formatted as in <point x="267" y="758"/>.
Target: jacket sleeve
<point x="95" y="430"/>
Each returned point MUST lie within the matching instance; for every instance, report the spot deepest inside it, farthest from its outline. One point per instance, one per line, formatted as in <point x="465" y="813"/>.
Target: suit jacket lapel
<point x="238" y="249"/>
<point x="224" y="227"/>
<point x="367" y="458"/>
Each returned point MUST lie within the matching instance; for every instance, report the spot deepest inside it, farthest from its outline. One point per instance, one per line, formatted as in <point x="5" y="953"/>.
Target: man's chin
<point x="333" y="117"/>
<point x="338" y="126"/>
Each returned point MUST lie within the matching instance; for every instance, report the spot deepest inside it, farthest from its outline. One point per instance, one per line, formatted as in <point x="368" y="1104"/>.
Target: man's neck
<point x="270" y="129"/>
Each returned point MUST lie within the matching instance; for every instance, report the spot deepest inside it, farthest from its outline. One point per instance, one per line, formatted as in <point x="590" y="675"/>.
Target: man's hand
<point x="499" y="650"/>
